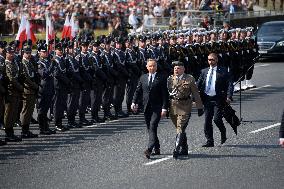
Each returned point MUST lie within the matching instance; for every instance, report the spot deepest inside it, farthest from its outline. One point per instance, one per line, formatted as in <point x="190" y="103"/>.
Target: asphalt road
<point x="111" y="155"/>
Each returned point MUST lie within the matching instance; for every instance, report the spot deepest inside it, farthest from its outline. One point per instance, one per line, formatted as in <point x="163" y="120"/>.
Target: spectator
<point x="173" y="20"/>
<point x="206" y="23"/>
<point x="205" y="5"/>
<point x="133" y="21"/>
<point x="11" y="18"/>
<point x="186" y="20"/>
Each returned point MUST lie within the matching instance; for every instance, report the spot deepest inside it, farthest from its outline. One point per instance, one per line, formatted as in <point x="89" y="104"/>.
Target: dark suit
<point x="214" y="105"/>
<point x="281" y="130"/>
<point x="154" y="100"/>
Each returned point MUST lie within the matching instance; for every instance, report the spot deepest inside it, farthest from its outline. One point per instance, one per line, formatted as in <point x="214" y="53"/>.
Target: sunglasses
<point x="211" y="59"/>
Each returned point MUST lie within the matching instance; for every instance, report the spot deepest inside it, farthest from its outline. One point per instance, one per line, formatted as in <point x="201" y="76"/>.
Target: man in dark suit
<point x="153" y="87"/>
<point x="215" y="91"/>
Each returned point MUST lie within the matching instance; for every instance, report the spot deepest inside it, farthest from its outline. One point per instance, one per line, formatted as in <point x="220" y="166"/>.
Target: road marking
<point x="265" y="128"/>
<point x="161" y="160"/>
<point x="259" y="87"/>
<point x="90" y="126"/>
<point x="263" y="65"/>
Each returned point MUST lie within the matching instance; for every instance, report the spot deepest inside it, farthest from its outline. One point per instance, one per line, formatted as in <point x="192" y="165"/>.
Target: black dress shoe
<point x="52" y="131"/>
<point x="175" y="154"/>
<point x="60" y="128"/>
<point x="147" y="154"/>
<point x="66" y="127"/>
<point x="98" y="120"/>
<point x="12" y="138"/>
<point x="156" y="152"/>
<point x="2" y="143"/>
<point x="45" y="132"/>
<point x="29" y="134"/>
<point x="208" y="144"/>
<point x="34" y="121"/>
<point x="223" y="140"/>
<point x="84" y="122"/>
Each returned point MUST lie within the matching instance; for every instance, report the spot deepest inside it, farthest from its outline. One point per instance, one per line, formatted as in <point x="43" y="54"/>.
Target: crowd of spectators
<point x="104" y="13"/>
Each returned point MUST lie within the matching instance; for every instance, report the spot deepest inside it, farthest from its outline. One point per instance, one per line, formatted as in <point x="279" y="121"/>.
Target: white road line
<point x="259" y="87"/>
<point x="262" y="65"/>
<point x="265" y="128"/>
<point x="160" y="160"/>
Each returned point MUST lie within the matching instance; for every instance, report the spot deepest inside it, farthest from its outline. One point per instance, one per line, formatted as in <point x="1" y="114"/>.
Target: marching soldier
<point x="182" y="89"/>
<point x="2" y="85"/>
<point x="99" y="79"/>
<point x="46" y="90"/>
<point x="85" y="70"/>
<point x="61" y="85"/>
<point x="14" y="91"/>
<point x="73" y="71"/>
<point x="30" y="93"/>
<point x="119" y="88"/>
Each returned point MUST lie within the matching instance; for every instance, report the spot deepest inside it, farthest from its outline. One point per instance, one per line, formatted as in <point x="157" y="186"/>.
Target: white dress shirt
<point x="153" y="77"/>
<point x="211" y="91"/>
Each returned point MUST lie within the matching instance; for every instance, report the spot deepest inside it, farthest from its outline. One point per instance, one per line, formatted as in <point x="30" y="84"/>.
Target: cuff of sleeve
<point x="164" y="110"/>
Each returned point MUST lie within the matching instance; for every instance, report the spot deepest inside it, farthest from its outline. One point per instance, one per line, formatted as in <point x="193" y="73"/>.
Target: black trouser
<point x="119" y="92"/>
<point x="213" y="111"/>
<point x="60" y="105"/>
<point x="72" y="104"/>
<point x="107" y="98"/>
<point x="84" y="102"/>
<point x="152" y="118"/>
<point x="130" y="89"/>
<point x="96" y="99"/>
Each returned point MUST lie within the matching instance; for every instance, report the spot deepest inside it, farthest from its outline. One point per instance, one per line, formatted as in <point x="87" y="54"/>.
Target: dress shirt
<point x="211" y="91"/>
<point x="153" y="77"/>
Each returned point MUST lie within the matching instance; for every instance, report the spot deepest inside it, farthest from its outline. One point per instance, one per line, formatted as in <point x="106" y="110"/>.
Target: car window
<point x="269" y="30"/>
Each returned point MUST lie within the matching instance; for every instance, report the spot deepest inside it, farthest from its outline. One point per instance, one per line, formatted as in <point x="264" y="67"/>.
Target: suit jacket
<point x="223" y="86"/>
<point x="181" y="93"/>
<point x="156" y="97"/>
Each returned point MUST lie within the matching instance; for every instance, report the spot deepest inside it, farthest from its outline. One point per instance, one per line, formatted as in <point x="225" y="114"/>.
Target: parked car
<point x="270" y="39"/>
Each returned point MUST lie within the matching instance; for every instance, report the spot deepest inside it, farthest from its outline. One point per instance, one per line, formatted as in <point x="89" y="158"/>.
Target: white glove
<point x="134" y="107"/>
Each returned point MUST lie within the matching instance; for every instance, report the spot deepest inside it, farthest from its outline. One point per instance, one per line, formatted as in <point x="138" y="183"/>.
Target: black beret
<point x="10" y="49"/>
<point x="118" y="40"/>
<point x="95" y="43"/>
<point x="70" y="44"/>
<point x="42" y="48"/>
<point x="27" y="49"/>
<point x="177" y="63"/>
<point x="58" y="46"/>
<point x="3" y="44"/>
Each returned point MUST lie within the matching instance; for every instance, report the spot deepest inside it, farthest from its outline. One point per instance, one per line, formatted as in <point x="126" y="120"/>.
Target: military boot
<point x="176" y="151"/>
<point x="184" y="146"/>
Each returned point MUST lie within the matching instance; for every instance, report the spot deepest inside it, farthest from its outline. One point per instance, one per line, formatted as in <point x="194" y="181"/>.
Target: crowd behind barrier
<point x="102" y="14"/>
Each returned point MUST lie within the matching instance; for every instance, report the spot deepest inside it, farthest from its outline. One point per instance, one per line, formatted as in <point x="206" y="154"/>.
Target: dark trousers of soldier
<point x="215" y="112"/>
<point x="152" y="119"/>
<point x="107" y="99"/>
<point x="119" y="92"/>
<point x="2" y="109"/>
<point x="235" y="67"/>
<point x="84" y="101"/>
<point x="60" y="105"/>
<point x="130" y="89"/>
<point x="27" y="111"/>
<point x="43" y="105"/>
<point x="96" y="99"/>
<point x="11" y="112"/>
<point x="72" y="104"/>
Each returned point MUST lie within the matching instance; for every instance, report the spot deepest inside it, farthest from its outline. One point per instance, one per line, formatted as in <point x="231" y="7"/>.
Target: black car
<point x="270" y="39"/>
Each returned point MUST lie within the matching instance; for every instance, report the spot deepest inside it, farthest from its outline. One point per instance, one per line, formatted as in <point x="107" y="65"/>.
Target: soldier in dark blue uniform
<point x="73" y="72"/>
<point x="112" y="75"/>
<point x="61" y="85"/>
<point x="46" y="90"/>
<point x="133" y="70"/>
<point x="99" y="80"/>
<point x="119" y="88"/>
<point x="86" y="71"/>
<point x="2" y="82"/>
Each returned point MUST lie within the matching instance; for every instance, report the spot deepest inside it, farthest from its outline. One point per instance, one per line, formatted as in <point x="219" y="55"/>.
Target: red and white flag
<point x="66" y="32"/>
<point x="74" y="27"/>
<point x="25" y="32"/>
<point x="50" y="33"/>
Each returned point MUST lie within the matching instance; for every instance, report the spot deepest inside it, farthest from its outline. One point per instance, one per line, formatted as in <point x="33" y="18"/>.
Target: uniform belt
<point x="180" y="99"/>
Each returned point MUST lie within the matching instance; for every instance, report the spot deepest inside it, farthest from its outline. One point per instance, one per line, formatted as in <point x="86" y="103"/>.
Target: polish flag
<point x="74" y="27"/>
<point x="25" y="32"/>
<point x="50" y="33"/>
<point x="66" y="28"/>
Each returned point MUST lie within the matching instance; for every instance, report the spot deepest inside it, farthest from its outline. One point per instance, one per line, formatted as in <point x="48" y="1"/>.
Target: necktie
<point x="150" y="81"/>
<point x="209" y="81"/>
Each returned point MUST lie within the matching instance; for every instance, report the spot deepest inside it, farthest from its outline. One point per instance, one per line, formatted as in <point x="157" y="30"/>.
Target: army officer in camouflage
<point x="182" y="89"/>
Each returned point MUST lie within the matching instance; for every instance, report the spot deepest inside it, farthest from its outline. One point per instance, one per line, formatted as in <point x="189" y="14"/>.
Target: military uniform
<point x="2" y="88"/>
<point x="181" y="90"/>
<point x="12" y="100"/>
<point x="29" y="95"/>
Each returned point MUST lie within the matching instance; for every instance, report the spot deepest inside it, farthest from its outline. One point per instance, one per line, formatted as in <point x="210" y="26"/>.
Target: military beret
<point x="95" y="43"/>
<point x="42" y="48"/>
<point x="58" y="46"/>
<point x="70" y="44"/>
<point x="3" y="44"/>
<point x="27" y="49"/>
<point x="10" y="49"/>
<point x="84" y="42"/>
<point x="177" y="63"/>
